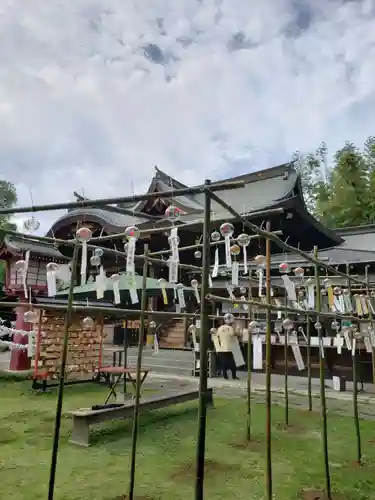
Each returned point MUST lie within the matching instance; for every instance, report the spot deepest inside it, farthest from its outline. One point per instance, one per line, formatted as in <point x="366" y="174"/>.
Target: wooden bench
<point x="84" y="417"/>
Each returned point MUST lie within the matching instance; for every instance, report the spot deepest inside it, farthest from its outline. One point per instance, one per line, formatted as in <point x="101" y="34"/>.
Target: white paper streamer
<point x="196" y="291"/>
<point x="115" y="278"/>
<point x="235" y="272"/>
<point x="348" y="303"/>
<point x="364" y="305"/>
<point x="347" y="339"/>
<point x="260" y="282"/>
<point x="338" y="342"/>
<point x="215" y="270"/>
<point x="156" y="345"/>
<point x="298" y="357"/>
<point x="130" y="256"/>
<point x="245" y="268"/>
<point x="173" y="242"/>
<point x="228" y="255"/>
<point x="133" y="291"/>
<point x="181" y="296"/>
<point x="51" y="282"/>
<point x="173" y="271"/>
<point x="311" y="296"/>
<point x="368" y="345"/>
<point x="13" y="346"/>
<point x="100" y="282"/>
<point x="210" y="284"/>
<point x="353" y="347"/>
<point x="289" y="287"/>
<point x="84" y="263"/>
<point x="257" y="353"/>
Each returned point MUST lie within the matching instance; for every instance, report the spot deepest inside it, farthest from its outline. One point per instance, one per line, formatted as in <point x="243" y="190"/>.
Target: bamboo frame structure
<point x="308" y="335"/>
<point x="208" y="191"/>
<point x="249" y="367"/>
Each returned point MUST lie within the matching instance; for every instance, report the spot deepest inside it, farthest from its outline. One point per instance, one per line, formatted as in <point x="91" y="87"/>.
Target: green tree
<point x="8" y="198"/>
<point x="341" y="192"/>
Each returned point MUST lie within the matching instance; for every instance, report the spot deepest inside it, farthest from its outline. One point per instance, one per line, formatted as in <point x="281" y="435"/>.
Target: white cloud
<point x="84" y="106"/>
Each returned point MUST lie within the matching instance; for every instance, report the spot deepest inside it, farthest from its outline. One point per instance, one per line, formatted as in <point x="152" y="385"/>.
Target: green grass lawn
<point x="166" y="451"/>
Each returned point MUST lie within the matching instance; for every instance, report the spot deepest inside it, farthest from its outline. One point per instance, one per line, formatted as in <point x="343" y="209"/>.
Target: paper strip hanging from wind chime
<point x="235" y="250"/>
<point x="180" y="295"/>
<point x="51" y="273"/>
<point x="132" y="234"/>
<point x="194" y="284"/>
<point x="100" y="278"/>
<point x="215" y="237"/>
<point x="287" y="282"/>
<point x="83" y="235"/>
<point x="115" y="279"/>
<point x="260" y="261"/>
<point x="243" y="240"/>
<point x="226" y="231"/>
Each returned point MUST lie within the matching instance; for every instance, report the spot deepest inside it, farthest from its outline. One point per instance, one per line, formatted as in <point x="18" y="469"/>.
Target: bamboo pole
<point x="198" y="246"/>
<point x="355" y="391"/>
<point x="203" y="344"/>
<point x="171" y="193"/>
<point x="249" y="363"/>
<point x="286" y="373"/>
<point x="60" y="394"/>
<point x="309" y="395"/>
<point x="323" y="407"/>
<point x="288" y="248"/>
<point x="372" y="324"/>
<point x="268" y="369"/>
<point x="274" y="307"/>
<point x="110" y="251"/>
<point x="138" y="377"/>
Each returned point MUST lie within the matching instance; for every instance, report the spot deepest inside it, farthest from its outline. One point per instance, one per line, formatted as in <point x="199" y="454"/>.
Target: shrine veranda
<point x="347" y="314"/>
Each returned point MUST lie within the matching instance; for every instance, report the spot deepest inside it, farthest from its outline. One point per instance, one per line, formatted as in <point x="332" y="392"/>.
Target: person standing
<point x="226" y="336"/>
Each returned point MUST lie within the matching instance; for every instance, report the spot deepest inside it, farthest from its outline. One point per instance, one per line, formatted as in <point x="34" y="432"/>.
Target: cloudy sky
<point x="94" y="93"/>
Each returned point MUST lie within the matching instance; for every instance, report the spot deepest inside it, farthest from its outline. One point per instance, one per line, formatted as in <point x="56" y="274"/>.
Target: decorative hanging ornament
<point x="242" y="290"/>
<point x="194" y="284"/>
<point x="30" y="317"/>
<point x="226" y="231"/>
<point x="31" y="225"/>
<point x="215" y="236"/>
<point x="52" y="269"/>
<point x="260" y="260"/>
<point x="180" y="295"/>
<point x="243" y="241"/>
<point x="299" y="272"/>
<point x="228" y="319"/>
<point x="162" y="283"/>
<point x="95" y="261"/>
<point x="83" y="235"/>
<point x="152" y="325"/>
<point x="213" y="331"/>
<point x="132" y="234"/>
<point x="254" y="326"/>
<point x="284" y="268"/>
<point x="335" y="325"/>
<point x="235" y="250"/>
<point x="22" y="267"/>
<point x="115" y="278"/>
<point x="98" y="252"/>
<point x="198" y="254"/>
<point x="172" y="212"/>
<point x="88" y="323"/>
<point x="288" y="324"/>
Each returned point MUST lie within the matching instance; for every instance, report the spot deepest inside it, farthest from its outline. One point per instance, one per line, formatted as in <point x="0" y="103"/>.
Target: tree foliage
<point x="340" y="192"/>
<point x="8" y="198"/>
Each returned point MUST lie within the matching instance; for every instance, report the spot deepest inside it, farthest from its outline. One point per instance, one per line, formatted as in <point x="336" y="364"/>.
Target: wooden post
<point x="309" y="395"/>
<point x="203" y="343"/>
<point x="268" y="369"/>
<point x="323" y="406"/>
<point x="138" y="376"/>
<point x="60" y="394"/>
<point x="249" y="363"/>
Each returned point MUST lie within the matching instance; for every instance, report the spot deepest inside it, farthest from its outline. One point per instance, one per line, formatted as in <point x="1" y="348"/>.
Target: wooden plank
<point x="83" y="418"/>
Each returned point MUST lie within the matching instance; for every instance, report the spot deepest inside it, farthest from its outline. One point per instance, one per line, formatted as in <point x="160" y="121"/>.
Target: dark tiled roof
<point x="333" y="256"/>
<point x="19" y="246"/>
